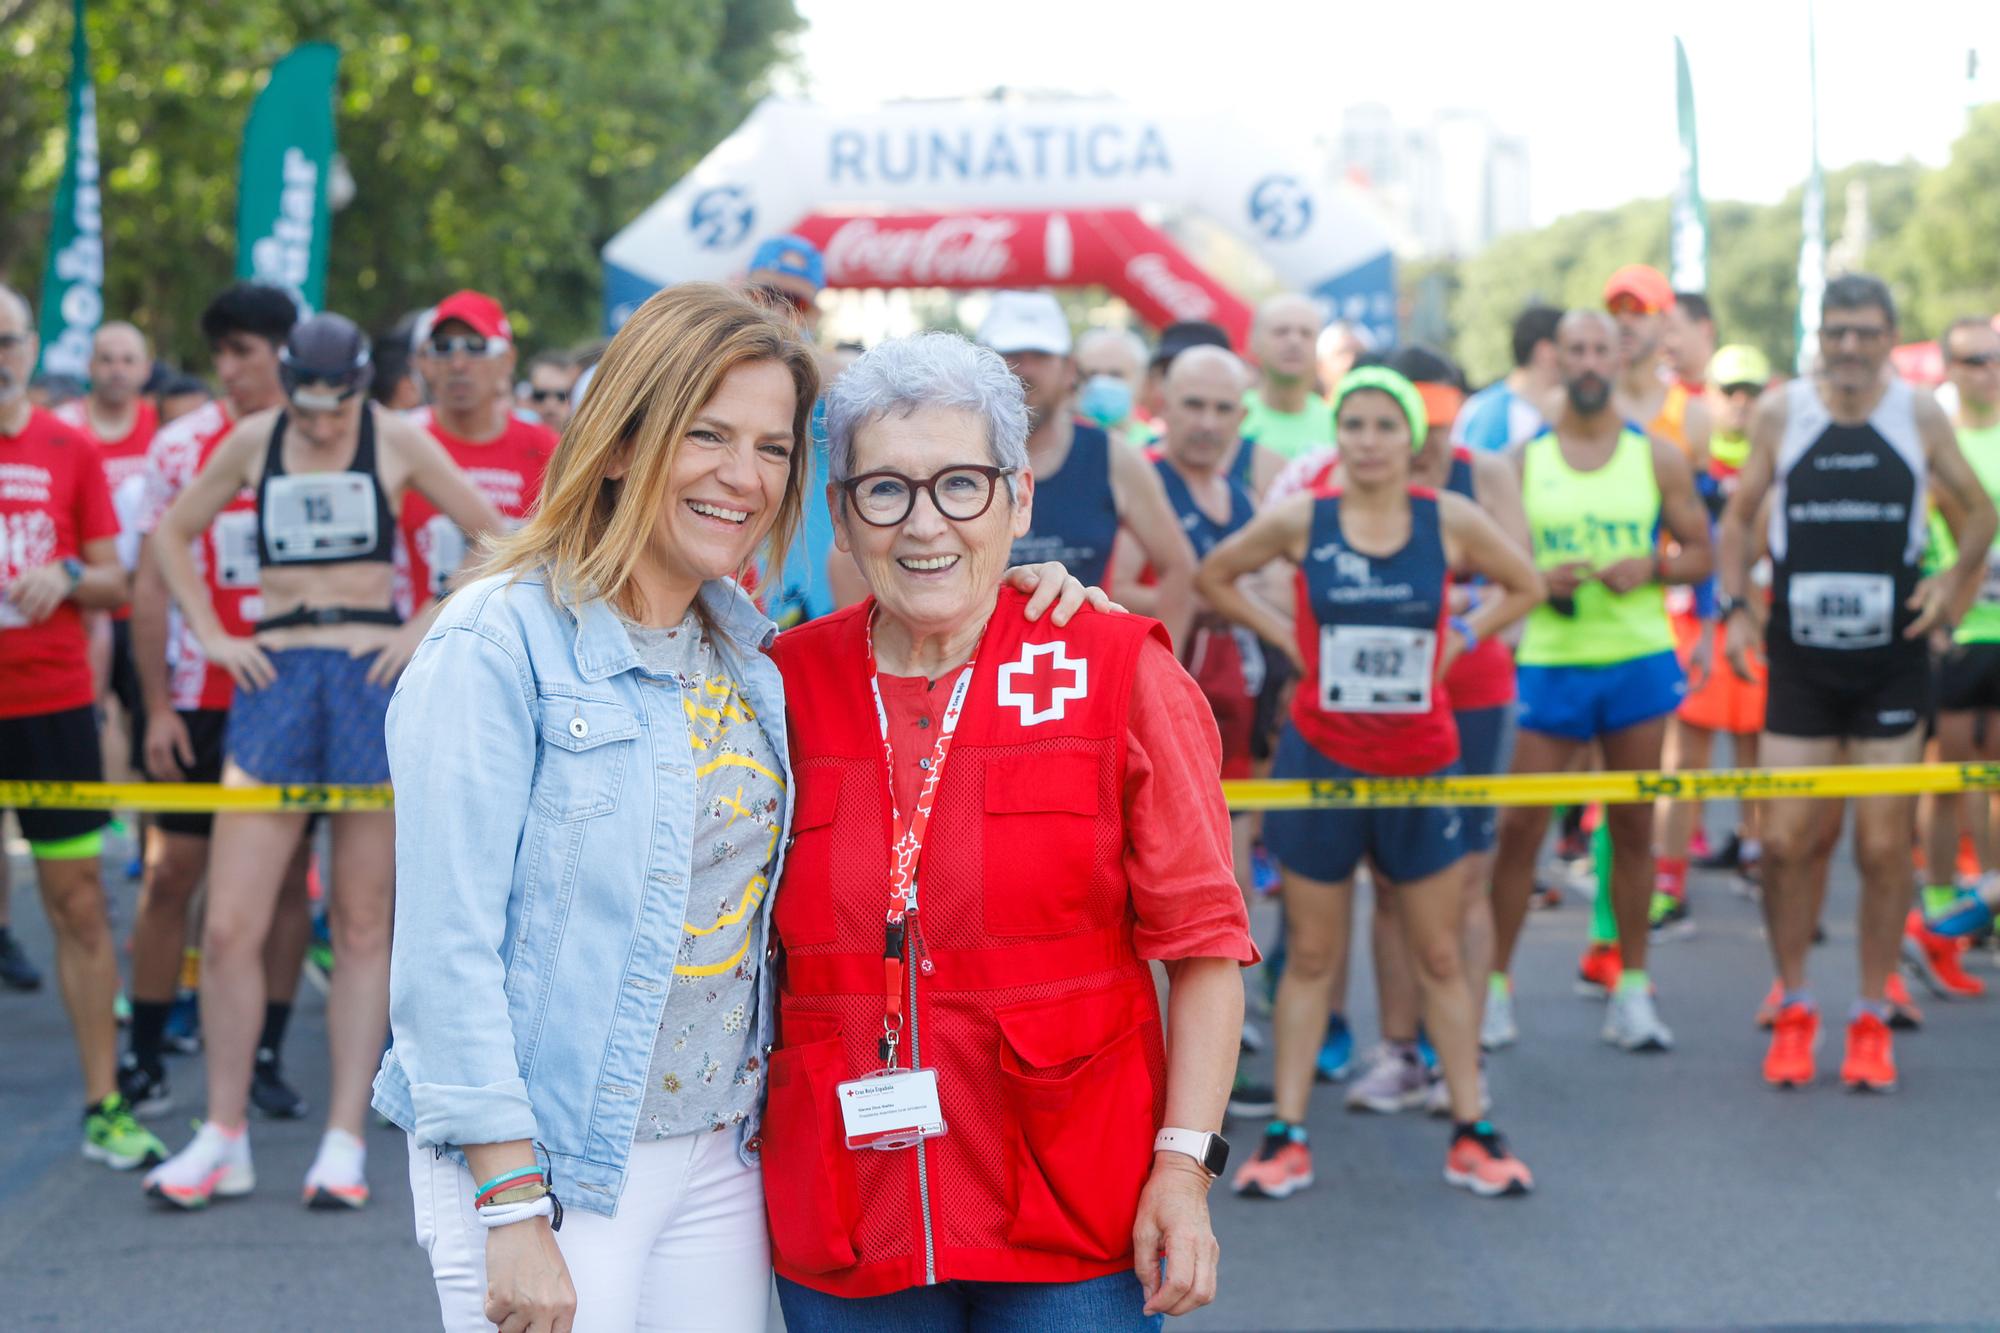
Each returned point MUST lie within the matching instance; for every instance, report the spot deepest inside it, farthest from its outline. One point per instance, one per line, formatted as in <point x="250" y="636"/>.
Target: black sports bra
<point x="324" y="518"/>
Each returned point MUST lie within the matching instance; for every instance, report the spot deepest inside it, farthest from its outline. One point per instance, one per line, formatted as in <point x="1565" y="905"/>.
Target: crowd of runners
<point x="1635" y="541"/>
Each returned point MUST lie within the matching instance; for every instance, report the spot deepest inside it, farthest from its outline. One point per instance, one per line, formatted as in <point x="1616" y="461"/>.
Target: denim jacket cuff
<point x="455" y="1115"/>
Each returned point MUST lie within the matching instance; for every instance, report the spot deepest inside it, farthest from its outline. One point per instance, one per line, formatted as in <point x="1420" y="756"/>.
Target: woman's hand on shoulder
<point x="1049" y="584"/>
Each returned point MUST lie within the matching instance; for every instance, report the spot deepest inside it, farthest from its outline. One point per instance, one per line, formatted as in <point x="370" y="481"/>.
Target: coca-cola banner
<point x="1113" y="248"/>
<point x="971" y="166"/>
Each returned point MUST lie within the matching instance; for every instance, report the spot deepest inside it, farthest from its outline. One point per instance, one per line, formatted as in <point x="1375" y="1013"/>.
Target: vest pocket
<point x="1079" y="1099"/>
<point x="803" y="909"/>
<point x="586" y="744"/>
<point x="809" y="1186"/>
<point x="1041" y="810"/>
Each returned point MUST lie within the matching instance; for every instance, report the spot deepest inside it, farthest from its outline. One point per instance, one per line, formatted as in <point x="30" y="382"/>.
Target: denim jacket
<point x="545" y="808"/>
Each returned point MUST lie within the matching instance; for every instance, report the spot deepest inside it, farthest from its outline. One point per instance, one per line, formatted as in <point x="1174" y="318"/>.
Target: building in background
<point x="1445" y="189"/>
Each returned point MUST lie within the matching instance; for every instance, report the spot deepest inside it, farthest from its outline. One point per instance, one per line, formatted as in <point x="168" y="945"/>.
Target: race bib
<point x="444" y="550"/>
<point x="237" y="563"/>
<point x="320" y="515"/>
<point x="1843" y="611"/>
<point x="1375" y="669"/>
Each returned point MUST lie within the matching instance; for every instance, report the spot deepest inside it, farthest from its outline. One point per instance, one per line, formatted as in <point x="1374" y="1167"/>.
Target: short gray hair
<point x="928" y="370"/>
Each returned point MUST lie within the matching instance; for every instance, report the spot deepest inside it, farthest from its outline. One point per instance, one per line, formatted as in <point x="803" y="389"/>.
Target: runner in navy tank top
<point x="1373" y="637"/>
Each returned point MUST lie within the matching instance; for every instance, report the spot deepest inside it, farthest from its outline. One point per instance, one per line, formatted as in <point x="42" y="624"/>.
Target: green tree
<point x="496" y="147"/>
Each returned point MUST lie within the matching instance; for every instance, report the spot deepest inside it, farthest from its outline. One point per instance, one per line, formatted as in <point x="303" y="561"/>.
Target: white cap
<point x="1025" y="322"/>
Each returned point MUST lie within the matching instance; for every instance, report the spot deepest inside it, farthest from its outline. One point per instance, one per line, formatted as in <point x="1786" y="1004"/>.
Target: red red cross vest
<point x="1038" y="1016"/>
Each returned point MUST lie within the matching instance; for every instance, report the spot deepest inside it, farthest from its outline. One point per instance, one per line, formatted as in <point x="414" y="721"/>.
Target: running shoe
<point x="112" y="1135"/>
<point x="1249" y="1100"/>
<point x="1282" y="1167"/>
<point x="1728" y="856"/>
<point x="1870" y="1065"/>
<point x="1936" y="960"/>
<point x="1395" y="1080"/>
<point x="1597" y="971"/>
<point x="1437" y="1098"/>
<point x="182" y="1035"/>
<point x="1497" y="1029"/>
<point x="1970" y="914"/>
<point x="338" y="1177"/>
<point x="1336" y="1053"/>
<point x="1669" y="918"/>
<point x="1794" y="1043"/>
<point x="215" y="1164"/>
<point x="1253" y="1037"/>
<point x="144" y="1087"/>
<point x="1263" y="872"/>
<point x="121" y="1009"/>
<point x="1479" y="1161"/>
<point x="1547" y="896"/>
<point x="1699" y="849"/>
<point x="1903" y="1011"/>
<point x="1631" y="1023"/>
<point x="1774" y="1000"/>
<point x="16" y="972"/>
<point x="1573" y="847"/>
<point x="274" y="1098"/>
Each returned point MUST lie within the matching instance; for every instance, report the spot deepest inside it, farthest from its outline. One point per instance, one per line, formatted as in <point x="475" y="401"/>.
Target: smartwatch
<point x="1211" y="1150"/>
<point x="1727" y="606"/>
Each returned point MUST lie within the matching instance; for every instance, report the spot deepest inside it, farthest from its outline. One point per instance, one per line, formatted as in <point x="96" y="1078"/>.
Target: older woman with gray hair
<point x="975" y="1119"/>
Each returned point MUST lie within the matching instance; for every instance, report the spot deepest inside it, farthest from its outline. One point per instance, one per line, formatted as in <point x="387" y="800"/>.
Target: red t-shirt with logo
<point x="52" y="501"/>
<point x="124" y="463"/>
<point x="225" y="555"/>
<point x="506" y="469"/>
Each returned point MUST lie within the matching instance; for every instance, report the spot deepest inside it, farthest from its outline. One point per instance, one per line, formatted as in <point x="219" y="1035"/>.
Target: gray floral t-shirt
<point x="707" y="1070"/>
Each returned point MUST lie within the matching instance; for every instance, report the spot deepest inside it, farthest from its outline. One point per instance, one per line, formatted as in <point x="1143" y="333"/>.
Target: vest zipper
<point x="913" y="943"/>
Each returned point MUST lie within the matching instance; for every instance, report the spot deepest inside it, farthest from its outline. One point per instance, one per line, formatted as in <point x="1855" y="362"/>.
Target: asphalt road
<point x="1674" y="1191"/>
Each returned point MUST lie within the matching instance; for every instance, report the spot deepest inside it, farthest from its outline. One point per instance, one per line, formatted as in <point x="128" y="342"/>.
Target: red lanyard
<point x="908" y="846"/>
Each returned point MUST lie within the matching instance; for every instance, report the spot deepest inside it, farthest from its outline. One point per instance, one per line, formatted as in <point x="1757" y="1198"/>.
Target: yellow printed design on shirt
<point x="739" y="803"/>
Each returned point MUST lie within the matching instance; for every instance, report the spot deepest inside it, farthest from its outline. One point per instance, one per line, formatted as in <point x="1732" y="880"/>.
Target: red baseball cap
<point x="477" y="311"/>
<point x="1644" y="284"/>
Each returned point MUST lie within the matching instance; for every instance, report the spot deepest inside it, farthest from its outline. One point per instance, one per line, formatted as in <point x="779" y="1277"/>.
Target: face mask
<point x="1106" y="400"/>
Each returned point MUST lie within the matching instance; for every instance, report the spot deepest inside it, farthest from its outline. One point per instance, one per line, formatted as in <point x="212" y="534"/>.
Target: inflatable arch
<point x="992" y="194"/>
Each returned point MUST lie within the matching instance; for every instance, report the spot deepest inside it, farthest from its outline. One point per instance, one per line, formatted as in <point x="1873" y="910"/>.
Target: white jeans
<point x="687" y="1251"/>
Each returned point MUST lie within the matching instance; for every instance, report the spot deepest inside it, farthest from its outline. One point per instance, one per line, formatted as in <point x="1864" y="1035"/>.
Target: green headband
<point x="1384" y="380"/>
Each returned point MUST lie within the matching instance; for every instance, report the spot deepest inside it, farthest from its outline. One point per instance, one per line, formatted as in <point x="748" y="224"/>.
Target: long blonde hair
<point x="591" y="529"/>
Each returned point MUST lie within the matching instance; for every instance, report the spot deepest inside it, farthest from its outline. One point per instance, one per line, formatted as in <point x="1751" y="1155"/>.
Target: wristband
<point x="501" y="1181"/>
<point x="1464" y="628"/>
<point x="503" y="1215"/>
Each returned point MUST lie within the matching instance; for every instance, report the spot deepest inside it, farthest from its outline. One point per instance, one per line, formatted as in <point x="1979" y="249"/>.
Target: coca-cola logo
<point x="1184" y="299"/>
<point x="950" y="252"/>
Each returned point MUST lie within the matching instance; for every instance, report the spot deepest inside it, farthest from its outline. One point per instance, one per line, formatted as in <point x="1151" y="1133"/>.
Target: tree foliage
<point x="496" y="145"/>
<point x="1930" y="234"/>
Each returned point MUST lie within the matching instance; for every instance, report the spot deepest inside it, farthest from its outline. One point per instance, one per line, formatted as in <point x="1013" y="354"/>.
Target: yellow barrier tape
<point x="1743" y="784"/>
<point x="186" y="797"/>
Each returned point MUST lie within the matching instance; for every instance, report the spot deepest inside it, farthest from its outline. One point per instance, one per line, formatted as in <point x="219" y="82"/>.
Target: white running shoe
<point x="1497" y="1029"/>
<point x="216" y="1164"/>
<point x="1437" y="1101"/>
<point x="1632" y="1024"/>
<point x="1395" y="1080"/>
<point x="338" y="1178"/>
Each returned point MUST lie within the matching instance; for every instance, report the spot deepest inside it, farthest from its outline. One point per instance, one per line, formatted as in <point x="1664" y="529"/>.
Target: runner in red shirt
<point x="120" y="420"/>
<point x="466" y="357"/>
<point x="186" y="701"/>
<point x="58" y="556"/>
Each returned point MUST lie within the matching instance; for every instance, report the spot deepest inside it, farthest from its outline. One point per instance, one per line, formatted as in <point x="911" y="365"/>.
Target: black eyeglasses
<point x="1978" y="359"/>
<point x="884" y="499"/>
<point x="1840" y="333"/>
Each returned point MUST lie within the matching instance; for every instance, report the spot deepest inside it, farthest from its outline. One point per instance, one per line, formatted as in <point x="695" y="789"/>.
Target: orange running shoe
<point x="1968" y="858"/>
<point x="1774" y="1000"/>
<point x="1597" y="971"/>
<point x="1794" y="1040"/>
<point x="1936" y="960"/>
<point x="1903" y="1011"/>
<point x="1279" y="1170"/>
<point x="1479" y="1161"/>
<point x="1870" y="1065"/>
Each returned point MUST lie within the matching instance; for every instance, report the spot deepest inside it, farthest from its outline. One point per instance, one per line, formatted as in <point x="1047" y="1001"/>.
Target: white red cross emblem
<point x="1043" y="681"/>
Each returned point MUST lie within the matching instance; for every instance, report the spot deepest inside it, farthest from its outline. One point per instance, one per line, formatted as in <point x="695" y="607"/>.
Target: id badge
<point x="237" y="562"/>
<point x="890" y="1109"/>
<point x="320" y="515"/>
<point x="1375" y="669"/>
<point x="1842" y="610"/>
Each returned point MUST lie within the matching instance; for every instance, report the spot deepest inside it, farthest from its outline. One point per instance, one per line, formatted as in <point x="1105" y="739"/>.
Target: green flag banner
<point x="281" y="209"/>
<point x="1690" y="227"/>
<point x="1812" y="220"/>
<point x="73" y="276"/>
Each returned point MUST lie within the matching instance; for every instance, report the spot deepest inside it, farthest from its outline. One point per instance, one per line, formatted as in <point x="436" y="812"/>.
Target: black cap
<point x="1177" y="338"/>
<point x="328" y="350"/>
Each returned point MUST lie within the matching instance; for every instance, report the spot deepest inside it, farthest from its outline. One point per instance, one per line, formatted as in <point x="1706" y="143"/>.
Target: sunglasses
<point x="9" y="341"/>
<point x="470" y="344"/>
<point x="778" y="296"/>
<point x="1862" y="333"/>
<point x="1978" y="359"/>
<point x="1623" y="304"/>
<point x="1744" y="387"/>
<point x="547" y="395"/>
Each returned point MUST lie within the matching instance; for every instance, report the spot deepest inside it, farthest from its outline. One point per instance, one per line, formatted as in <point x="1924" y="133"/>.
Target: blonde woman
<point x="589" y="754"/>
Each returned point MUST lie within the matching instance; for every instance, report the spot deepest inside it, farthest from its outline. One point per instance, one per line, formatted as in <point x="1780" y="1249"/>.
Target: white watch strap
<point x="1192" y="1142"/>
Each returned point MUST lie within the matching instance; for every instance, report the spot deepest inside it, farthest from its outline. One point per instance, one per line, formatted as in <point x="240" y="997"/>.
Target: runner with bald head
<point x="1284" y="414"/>
<point x="1110" y="375"/>
<point x="1596" y="662"/>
